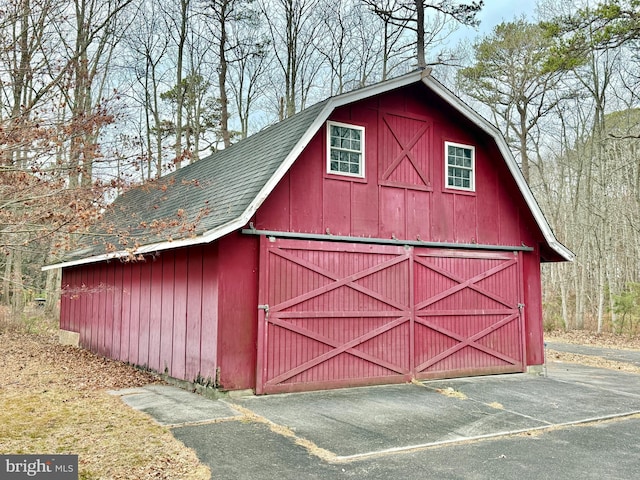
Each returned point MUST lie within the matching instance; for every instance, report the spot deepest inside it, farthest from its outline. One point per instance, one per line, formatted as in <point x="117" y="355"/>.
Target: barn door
<point x="467" y="313"/>
<point x="332" y="314"/>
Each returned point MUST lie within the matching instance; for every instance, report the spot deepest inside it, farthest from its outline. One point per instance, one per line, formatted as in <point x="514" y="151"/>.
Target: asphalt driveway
<point x="577" y="422"/>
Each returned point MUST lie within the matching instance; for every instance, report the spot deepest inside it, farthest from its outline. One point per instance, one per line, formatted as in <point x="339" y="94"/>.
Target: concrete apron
<point x="351" y="424"/>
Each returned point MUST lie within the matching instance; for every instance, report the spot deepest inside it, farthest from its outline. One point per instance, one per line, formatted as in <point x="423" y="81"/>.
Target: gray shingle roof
<point x="220" y="193"/>
<point x="198" y="197"/>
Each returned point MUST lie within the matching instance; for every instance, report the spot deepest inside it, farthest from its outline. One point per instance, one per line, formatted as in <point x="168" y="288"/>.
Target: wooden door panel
<point x="467" y="313"/>
<point x="334" y="312"/>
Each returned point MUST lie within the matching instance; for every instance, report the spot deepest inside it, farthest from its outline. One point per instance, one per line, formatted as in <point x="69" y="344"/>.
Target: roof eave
<point x="206" y="237"/>
<point x="510" y="160"/>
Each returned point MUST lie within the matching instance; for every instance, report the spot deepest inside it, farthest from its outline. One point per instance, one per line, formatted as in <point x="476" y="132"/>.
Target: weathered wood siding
<point x="160" y="313"/>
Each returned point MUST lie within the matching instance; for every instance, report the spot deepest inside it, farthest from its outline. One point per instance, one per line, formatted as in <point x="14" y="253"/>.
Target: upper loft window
<point x="460" y="166"/>
<point x="345" y="149"/>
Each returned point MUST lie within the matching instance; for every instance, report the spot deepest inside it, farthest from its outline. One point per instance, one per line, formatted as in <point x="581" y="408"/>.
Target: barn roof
<point x="219" y="194"/>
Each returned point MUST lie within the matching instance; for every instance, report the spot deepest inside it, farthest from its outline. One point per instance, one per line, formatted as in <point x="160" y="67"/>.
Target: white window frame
<point x="472" y="169"/>
<point x="361" y="152"/>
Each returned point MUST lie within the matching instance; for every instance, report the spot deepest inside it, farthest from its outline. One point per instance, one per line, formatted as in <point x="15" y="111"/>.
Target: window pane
<point x="345" y="150"/>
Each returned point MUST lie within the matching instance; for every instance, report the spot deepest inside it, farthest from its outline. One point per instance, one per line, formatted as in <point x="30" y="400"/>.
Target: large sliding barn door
<point x="335" y="314"/>
<point x="467" y="313"/>
<point x="332" y="315"/>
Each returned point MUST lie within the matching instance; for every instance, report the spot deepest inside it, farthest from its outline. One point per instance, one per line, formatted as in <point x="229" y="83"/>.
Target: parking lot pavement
<point x="359" y="422"/>
<point x="579" y="422"/>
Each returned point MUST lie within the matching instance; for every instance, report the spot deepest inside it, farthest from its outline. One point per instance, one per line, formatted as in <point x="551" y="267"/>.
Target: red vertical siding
<point x="238" y="310"/>
<point x="465" y="219"/>
<point x="403" y="192"/>
<point x="144" y="315"/>
<point x="442" y="220"/>
<point x="180" y="299"/>
<point x="533" y="303"/>
<point x="337" y="207"/>
<point x="418" y="215"/>
<point x="277" y="207"/>
<point x="159" y="313"/>
<point x="306" y="182"/>
<point x="84" y="304"/>
<point x="101" y="319"/>
<point x="133" y="336"/>
<point x="193" y="324"/>
<point x="155" y="315"/>
<point x="364" y="219"/>
<point x="167" y="299"/>
<point x="118" y="285"/>
<point x="211" y="316"/>
<point x="91" y="341"/>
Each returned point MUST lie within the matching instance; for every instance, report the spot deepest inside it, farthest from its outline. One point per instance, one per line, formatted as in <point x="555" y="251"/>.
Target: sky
<point x="495" y="12"/>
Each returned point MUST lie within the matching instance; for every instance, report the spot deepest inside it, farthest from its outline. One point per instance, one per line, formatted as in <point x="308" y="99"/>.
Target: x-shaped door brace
<point x="467" y="341"/>
<point x="406" y="152"/>
<point x="276" y="315"/>
<point x="338" y="348"/>
<point x="462" y="284"/>
<point x="512" y="313"/>
<point x="337" y="281"/>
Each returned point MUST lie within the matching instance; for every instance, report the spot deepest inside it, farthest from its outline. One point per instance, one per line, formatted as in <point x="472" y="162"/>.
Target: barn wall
<point x="238" y="311"/>
<point x="533" y="308"/>
<point x="398" y="198"/>
<point x="160" y="313"/>
<point x="409" y="200"/>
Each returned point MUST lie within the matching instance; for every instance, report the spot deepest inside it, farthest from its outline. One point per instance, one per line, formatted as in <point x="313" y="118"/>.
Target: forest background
<point x="102" y="95"/>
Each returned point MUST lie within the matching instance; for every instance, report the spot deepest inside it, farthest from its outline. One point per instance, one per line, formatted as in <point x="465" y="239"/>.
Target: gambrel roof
<point x="219" y="194"/>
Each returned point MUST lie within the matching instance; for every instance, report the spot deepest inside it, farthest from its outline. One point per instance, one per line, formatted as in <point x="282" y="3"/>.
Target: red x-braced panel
<point x="467" y="316"/>
<point x="405" y="151"/>
<point x="337" y="315"/>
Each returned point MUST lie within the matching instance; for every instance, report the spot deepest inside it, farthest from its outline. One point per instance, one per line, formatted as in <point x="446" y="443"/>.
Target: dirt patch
<point x="591" y="361"/>
<point x="586" y="337"/>
<point x="53" y="400"/>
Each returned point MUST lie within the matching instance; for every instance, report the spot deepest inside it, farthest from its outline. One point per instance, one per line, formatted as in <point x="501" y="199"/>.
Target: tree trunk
<point x="422" y="63"/>
<point x="222" y="74"/>
<point x="17" y="294"/>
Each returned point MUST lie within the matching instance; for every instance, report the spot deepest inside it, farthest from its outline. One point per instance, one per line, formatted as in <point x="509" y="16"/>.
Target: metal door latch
<point x="520" y="306"/>
<point x="264" y="307"/>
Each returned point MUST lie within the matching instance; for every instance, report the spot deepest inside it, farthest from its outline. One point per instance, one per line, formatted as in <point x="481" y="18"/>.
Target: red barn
<point x="382" y="235"/>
